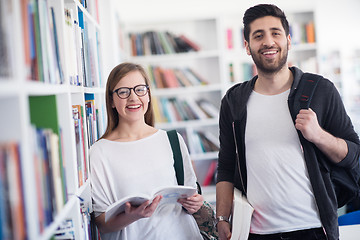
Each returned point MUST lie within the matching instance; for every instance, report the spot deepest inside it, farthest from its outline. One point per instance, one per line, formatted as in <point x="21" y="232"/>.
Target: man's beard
<point x="272" y="68"/>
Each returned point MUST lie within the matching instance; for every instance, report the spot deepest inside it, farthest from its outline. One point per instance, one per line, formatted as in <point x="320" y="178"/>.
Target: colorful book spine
<point x="80" y="143"/>
<point x="229" y="38"/>
<point x="12" y="211"/>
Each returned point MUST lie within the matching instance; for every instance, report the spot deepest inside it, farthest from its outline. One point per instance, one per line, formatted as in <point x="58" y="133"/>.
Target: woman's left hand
<point x="192" y="204"/>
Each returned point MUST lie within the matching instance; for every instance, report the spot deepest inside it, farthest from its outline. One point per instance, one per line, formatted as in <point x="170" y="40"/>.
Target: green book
<point x="43" y="112"/>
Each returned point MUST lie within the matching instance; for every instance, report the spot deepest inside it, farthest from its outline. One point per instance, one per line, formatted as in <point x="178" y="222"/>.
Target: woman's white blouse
<point x="119" y="169"/>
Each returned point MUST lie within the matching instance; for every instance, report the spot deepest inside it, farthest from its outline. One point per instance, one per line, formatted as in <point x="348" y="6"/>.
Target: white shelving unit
<point x="30" y="101"/>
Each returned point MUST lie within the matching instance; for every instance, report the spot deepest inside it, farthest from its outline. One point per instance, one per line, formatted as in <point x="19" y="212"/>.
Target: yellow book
<point x="159" y="117"/>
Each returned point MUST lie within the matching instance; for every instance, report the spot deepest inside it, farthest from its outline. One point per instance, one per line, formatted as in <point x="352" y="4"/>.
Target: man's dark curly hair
<point x="263" y="10"/>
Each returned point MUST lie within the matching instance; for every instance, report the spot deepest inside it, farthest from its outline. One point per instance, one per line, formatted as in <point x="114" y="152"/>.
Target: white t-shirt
<point x="119" y="169"/>
<point x="278" y="184"/>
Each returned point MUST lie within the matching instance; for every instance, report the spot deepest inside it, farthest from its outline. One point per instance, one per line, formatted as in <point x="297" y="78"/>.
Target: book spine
<point x="32" y="41"/>
<point x="210" y="175"/>
<point x="193" y="46"/>
<point x="12" y="211"/>
<point x="310" y="32"/>
<point x="27" y="42"/>
<point x="229" y="38"/>
<point x="38" y="42"/>
<point x="208" y="108"/>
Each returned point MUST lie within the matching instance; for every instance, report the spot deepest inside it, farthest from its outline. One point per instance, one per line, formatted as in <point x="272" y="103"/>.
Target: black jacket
<point x="332" y="117"/>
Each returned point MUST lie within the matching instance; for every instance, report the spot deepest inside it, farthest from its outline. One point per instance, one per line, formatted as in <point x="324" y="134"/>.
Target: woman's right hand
<point x="144" y="210"/>
<point x="223" y="228"/>
<point x="131" y="214"/>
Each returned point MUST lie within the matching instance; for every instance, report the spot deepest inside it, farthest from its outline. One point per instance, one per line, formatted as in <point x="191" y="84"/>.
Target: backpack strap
<point x="178" y="161"/>
<point x="346" y="182"/>
<point x="309" y="82"/>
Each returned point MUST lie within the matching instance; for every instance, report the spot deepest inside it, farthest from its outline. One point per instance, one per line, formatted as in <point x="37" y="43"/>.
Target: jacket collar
<point x="238" y="95"/>
<point x="297" y="73"/>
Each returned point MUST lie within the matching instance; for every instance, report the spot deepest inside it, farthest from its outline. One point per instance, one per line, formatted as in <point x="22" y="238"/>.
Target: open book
<point x="170" y="195"/>
<point x="241" y="217"/>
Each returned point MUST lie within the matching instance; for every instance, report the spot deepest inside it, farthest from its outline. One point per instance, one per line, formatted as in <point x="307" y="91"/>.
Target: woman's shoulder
<point x="98" y="145"/>
<point x="165" y="133"/>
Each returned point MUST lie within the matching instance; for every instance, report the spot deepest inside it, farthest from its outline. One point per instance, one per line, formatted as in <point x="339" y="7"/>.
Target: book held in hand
<point x="170" y="195"/>
<point x="241" y="217"/>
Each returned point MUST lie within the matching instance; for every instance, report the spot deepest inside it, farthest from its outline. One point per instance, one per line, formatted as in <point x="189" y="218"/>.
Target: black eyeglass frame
<point x="133" y="88"/>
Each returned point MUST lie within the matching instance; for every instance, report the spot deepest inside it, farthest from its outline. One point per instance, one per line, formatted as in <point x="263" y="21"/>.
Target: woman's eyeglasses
<point x="139" y="90"/>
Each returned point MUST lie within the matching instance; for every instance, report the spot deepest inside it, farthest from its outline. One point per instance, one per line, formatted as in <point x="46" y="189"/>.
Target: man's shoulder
<point x="301" y="76"/>
<point x="240" y="88"/>
<point x="322" y="80"/>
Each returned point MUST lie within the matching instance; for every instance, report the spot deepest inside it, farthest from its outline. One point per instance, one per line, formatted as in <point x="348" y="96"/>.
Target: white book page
<point x="241" y="217"/>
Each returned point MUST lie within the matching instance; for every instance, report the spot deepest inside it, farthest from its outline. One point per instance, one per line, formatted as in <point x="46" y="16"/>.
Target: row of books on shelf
<point x="302" y="32"/>
<point x="92" y="6"/>
<point x="201" y="142"/>
<point x="234" y="38"/>
<point x="82" y="46"/>
<point x="89" y="227"/>
<point x="12" y="209"/>
<point x="79" y="126"/>
<point x="41" y="42"/>
<point x="50" y="180"/>
<point x="46" y="47"/>
<point x="182" y="109"/>
<point x="92" y="119"/>
<point x="50" y="167"/>
<point x="160" y="42"/>
<point x="84" y="119"/>
<point x="245" y="72"/>
<point x="6" y="23"/>
<point x="50" y="171"/>
<point x="162" y="77"/>
<point x="66" y="230"/>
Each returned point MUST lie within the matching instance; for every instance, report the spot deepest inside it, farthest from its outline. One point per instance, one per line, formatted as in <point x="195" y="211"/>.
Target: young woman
<point x="134" y="157"/>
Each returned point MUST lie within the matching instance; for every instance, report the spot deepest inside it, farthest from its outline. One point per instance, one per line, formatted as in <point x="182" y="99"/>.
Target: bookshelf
<point x="220" y="60"/>
<point x="186" y="83"/>
<point x="52" y="80"/>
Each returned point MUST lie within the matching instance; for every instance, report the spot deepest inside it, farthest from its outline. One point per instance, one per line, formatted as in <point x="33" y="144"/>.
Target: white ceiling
<point x="138" y="10"/>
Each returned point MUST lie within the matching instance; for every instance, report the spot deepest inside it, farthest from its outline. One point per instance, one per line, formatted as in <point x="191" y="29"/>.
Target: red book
<point x="10" y="169"/>
<point x="170" y="78"/>
<point x="210" y="173"/>
<point x="229" y="38"/>
<point x="158" y="77"/>
<point x="191" y="43"/>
